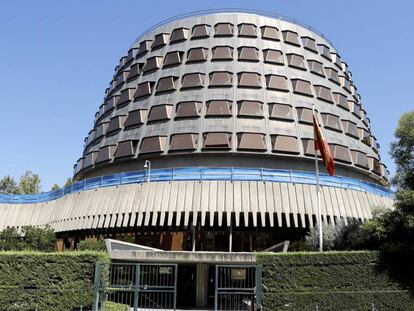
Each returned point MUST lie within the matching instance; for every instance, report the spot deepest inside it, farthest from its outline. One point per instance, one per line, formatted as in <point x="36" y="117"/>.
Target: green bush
<point x="49" y="281"/>
<point x="91" y="245"/>
<point x="331" y="280"/>
<point x="30" y="238"/>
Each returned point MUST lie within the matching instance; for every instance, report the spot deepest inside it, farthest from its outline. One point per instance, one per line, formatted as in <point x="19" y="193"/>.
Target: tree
<point x="69" y="182"/>
<point x="330" y="235"/>
<point x="30" y="238"/>
<point x="55" y="187"/>
<point x="29" y="183"/>
<point x="8" y="185"/>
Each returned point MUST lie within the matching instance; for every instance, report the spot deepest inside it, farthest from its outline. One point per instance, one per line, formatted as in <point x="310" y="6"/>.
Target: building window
<point x="192" y="80"/>
<point x="136" y="117"/>
<point x="247" y="30"/>
<point x="154" y="144"/>
<point x="284" y="144"/>
<point x="126" y="96"/>
<point x="221" y="79"/>
<point x="144" y="90"/>
<point x="305" y="115"/>
<point x="223" y="30"/>
<point x="270" y="33"/>
<point x="316" y="68"/>
<point x="190" y="109"/>
<point x="222" y="53"/>
<point x="116" y="124"/>
<point x="173" y="58"/>
<point x="249" y="80"/>
<point x="197" y="55"/>
<point x="273" y="57"/>
<point x="340" y="153"/>
<point x="248" y="53"/>
<point x="301" y="87"/>
<point x="341" y="100"/>
<point x="166" y="84"/>
<point x="331" y="122"/>
<point x="309" y="44"/>
<point x="160" y="40"/>
<point x="324" y="51"/>
<point x="101" y="130"/>
<point x="152" y="64"/>
<point x="160" y="113"/>
<point x="219" y="108"/>
<point x="126" y="149"/>
<point x="290" y="37"/>
<point x="217" y="140"/>
<point x="275" y="82"/>
<point x="251" y="141"/>
<point x="360" y="159"/>
<point x="201" y="31"/>
<point x="332" y="75"/>
<point x="144" y="48"/>
<point x="323" y="93"/>
<point x="280" y="112"/>
<point x="135" y="71"/>
<point x="105" y="154"/>
<point x="183" y="142"/>
<point x="250" y="108"/>
<point x="296" y="61"/>
<point x="179" y="35"/>
<point x="350" y="128"/>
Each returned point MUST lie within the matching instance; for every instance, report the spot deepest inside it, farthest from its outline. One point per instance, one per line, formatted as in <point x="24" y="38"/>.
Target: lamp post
<point x="147" y="166"/>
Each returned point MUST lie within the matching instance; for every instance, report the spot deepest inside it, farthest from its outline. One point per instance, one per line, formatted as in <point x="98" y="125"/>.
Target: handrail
<point x="234" y="10"/>
<point x="198" y="174"/>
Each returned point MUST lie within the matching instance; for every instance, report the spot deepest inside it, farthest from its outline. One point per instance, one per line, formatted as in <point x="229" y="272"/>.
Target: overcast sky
<point x="57" y="58"/>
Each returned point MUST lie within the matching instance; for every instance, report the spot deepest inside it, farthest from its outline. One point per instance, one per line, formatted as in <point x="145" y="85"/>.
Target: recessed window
<point x="116" y="123"/>
<point x="90" y="159"/>
<point x="273" y="57"/>
<point x="336" y="59"/>
<point x="316" y="68"/>
<point x="197" y="55"/>
<point x="301" y="87"/>
<point x="131" y="55"/>
<point x="218" y="108"/>
<point x="355" y="108"/>
<point x="217" y="140"/>
<point x="135" y="71"/>
<point x="160" y="40"/>
<point x="340" y="153"/>
<point x="101" y="130"/>
<point x="324" y="51"/>
<point x="309" y="147"/>
<point x="331" y="122"/>
<point x="284" y="144"/>
<point x="144" y="48"/>
<point x="248" y="53"/>
<point x="190" y="109"/>
<point x="223" y="30"/>
<point x="247" y="30"/>
<point x="350" y="128"/>
<point x="270" y="33"/>
<point x="249" y="80"/>
<point x="364" y="135"/>
<point x="309" y="44"/>
<point x="126" y="96"/>
<point x="152" y="64"/>
<point x="296" y="61"/>
<point x="90" y="138"/>
<point x="173" y="58"/>
<point x="78" y="165"/>
<point x="122" y="77"/>
<point x="160" y="113"/>
<point x="154" y="144"/>
<point x="341" y="100"/>
<point x="280" y="112"/>
<point x="111" y="102"/>
<point x="126" y="149"/>
<point x="250" y="109"/>
<point x="105" y="154"/>
<point x="221" y="79"/>
<point x="374" y="165"/>
<point x="222" y="53"/>
<point x="275" y="82"/>
<point x="144" y="90"/>
<point x="201" y="31"/>
<point x="345" y="83"/>
<point x="290" y="37"/>
<point x="360" y="159"/>
<point x="305" y="115"/>
<point x="323" y="93"/>
<point x="166" y="84"/>
<point x="182" y="142"/>
<point x="251" y="141"/>
<point x="192" y="80"/>
<point x="332" y="75"/>
<point x="136" y="117"/>
<point x="179" y="35"/>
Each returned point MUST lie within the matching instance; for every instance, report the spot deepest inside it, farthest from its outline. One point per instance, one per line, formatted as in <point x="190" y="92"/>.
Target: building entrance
<point x="186" y="286"/>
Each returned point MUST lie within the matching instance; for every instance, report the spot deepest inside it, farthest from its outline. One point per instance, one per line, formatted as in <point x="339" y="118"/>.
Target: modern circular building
<point x="218" y="109"/>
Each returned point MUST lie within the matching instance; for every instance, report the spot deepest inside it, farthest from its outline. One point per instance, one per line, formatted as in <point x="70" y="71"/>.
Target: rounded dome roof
<point x="233" y="89"/>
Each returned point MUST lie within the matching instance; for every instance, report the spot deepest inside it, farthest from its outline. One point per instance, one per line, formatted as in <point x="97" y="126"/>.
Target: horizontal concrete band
<point x="189" y="203"/>
<point x="199" y="174"/>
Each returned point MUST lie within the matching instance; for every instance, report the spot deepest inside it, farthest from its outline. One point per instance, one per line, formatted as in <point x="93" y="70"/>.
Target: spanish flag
<point x="322" y="146"/>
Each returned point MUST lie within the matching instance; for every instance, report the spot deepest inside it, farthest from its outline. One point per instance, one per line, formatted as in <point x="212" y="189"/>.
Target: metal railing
<point x="200" y="174"/>
<point x="234" y="10"/>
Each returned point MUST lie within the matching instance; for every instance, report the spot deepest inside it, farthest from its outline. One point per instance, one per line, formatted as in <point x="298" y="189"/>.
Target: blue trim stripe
<point x="198" y="174"/>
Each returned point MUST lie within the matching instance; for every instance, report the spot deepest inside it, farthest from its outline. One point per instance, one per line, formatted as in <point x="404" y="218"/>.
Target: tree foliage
<point x="30" y="238"/>
<point x="54" y="187"/>
<point x="91" y="245"/>
<point x="9" y="185"/>
<point x="29" y="183"/>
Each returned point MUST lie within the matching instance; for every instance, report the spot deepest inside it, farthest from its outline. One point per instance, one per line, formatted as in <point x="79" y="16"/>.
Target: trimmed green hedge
<point x="49" y="281"/>
<point x="331" y="281"/>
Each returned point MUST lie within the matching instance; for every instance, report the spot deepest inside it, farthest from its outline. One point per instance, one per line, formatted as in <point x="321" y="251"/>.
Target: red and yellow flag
<point x="323" y="147"/>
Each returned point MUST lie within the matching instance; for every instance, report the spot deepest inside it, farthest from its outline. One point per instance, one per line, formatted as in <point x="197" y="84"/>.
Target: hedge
<point x="48" y="281"/>
<point x="329" y="281"/>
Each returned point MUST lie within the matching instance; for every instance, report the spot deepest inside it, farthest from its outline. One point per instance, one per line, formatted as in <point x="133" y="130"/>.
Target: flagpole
<point x="318" y="195"/>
